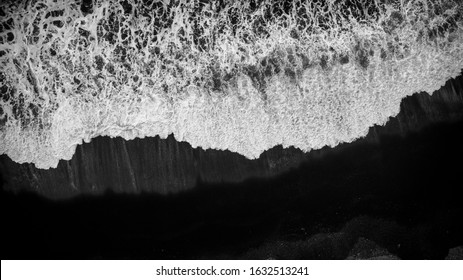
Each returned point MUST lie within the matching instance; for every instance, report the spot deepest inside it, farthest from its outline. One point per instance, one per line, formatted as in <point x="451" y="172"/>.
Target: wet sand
<point x="397" y="198"/>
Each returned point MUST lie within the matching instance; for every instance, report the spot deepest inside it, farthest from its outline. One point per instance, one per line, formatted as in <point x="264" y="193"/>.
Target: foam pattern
<point x="238" y="75"/>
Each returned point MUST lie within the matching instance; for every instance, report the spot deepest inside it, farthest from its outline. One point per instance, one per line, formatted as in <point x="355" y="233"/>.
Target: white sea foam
<point x="65" y="79"/>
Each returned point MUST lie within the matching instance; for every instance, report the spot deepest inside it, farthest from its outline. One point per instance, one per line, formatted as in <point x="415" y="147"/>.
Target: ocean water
<point x="239" y="76"/>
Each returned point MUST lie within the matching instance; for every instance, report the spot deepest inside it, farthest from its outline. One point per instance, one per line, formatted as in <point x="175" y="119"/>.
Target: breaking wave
<point x="238" y="75"/>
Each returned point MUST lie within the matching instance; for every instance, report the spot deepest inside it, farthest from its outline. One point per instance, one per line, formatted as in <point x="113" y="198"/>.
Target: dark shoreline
<point x="401" y="194"/>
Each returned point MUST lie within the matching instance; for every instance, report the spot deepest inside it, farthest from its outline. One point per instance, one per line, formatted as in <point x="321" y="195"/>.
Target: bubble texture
<point x="238" y="75"/>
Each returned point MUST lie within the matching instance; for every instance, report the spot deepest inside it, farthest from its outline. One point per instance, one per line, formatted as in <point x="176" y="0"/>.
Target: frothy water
<point x="238" y="76"/>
